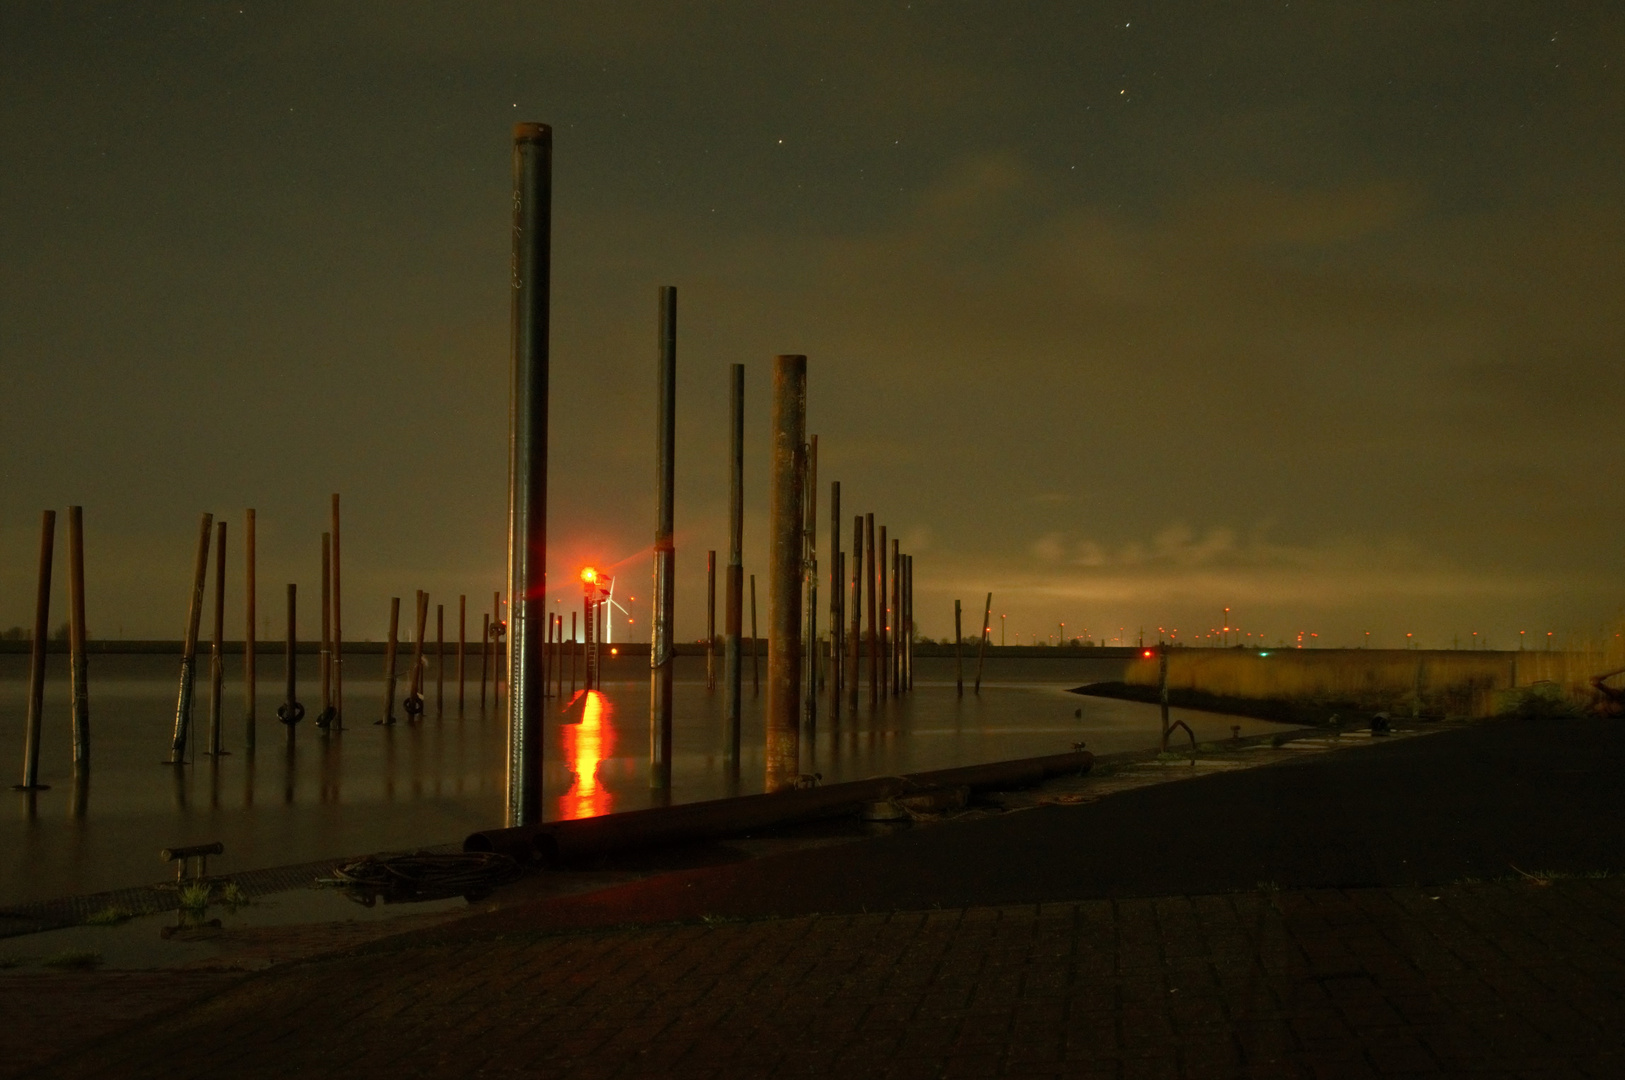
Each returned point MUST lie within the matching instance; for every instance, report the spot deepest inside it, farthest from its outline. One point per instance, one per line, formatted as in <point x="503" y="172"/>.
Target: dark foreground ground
<point x="1431" y="906"/>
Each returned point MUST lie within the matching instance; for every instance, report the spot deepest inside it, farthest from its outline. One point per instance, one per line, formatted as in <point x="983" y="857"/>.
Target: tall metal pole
<point x="784" y="583"/>
<point x="527" y="466"/>
<point x="338" y="626"/>
<point x="194" y="615"/>
<point x="250" y="691"/>
<point x="662" y="654"/>
<point x="755" y="643"/>
<point x="78" y="665"/>
<point x="734" y="592"/>
<point x="217" y="641"/>
<point x="36" y="658"/>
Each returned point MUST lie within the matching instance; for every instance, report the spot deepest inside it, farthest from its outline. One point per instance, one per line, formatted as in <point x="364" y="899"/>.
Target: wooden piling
<point x="837" y="630"/>
<point x="194" y="615"/>
<point x="499" y="629"/>
<point x="292" y="711"/>
<point x="414" y="696"/>
<point x="36" y="654"/>
<point x="324" y="661"/>
<point x="78" y="664"/>
<point x="462" y="649"/>
<point x="440" y="660"/>
<point x="390" y="645"/>
<point x="485" y="656"/>
<point x="894" y="657"/>
<point x="854" y="644"/>
<point x="710" y="620"/>
<point x="755" y="670"/>
<point x="981" y="641"/>
<point x="884" y="614"/>
<point x="217" y="640"/>
<point x="784" y="586"/>
<point x="911" y="622"/>
<point x="809" y="576"/>
<point x="733" y="590"/>
<point x="250" y="689"/>
<point x="959" y="653"/>
<point x="872" y="642"/>
<point x="338" y="626"/>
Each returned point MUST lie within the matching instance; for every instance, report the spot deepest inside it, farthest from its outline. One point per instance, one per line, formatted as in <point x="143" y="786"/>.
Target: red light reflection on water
<point x="586" y="745"/>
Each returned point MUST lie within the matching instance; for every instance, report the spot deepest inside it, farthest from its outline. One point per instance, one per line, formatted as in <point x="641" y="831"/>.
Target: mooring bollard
<point x="78" y="663"/>
<point x="389" y="663"/>
<point x="324" y="662"/>
<point x="249" y="672"/>
<point x="200" y="852"/>
<point x="338" y="627"/>
<point x="217" y="640"/>
<point x="194" y="615"/>
<point x="710" y="620"/>
<point x="981" y="641"/>
<point x="36" y="655"/>
<point x="414" y="685"/>
<point x="785" y="540"/>
<point x="959" y="657"/>
<point x="290" y="712"/>
<point x="462" y="648"/>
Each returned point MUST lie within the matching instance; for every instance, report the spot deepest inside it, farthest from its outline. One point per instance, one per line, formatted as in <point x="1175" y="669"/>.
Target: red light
<point x="1148" y="654"/>
<point x="589" y="575"/>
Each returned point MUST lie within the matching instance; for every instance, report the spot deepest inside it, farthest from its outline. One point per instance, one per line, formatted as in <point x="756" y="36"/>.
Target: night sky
<point x="1124" y="311"/>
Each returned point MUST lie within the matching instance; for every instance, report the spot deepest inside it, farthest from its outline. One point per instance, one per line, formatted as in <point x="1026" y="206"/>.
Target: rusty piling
<point x="391" y="644"/>
<point x="959" y="653"/>
<point x="217" y="640"/>
<point x="981" y="641"/>
<point x="785" y="523"/>
<point x="462" y="650"/>
<point x="733" y="591"/>
<point x="194" y="615"/>
<point x="755" y="670"/>
<point x="36" y="654"/>
<point x="250" y="597"/>
<point x="414" y="694"/>
<point x="710" y="620"/>
<point x="78" y="663"/>
<point x="338" y="626"/>
<point x="291" y="711"/>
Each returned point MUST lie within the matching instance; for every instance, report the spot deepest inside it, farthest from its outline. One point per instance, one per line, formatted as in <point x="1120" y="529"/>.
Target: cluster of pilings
<point x="79" y="689"/>
<point x="415" y="703"/>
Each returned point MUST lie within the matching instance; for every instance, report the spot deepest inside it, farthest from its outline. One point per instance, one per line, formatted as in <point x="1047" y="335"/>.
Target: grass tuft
<point x="110" y="916"/>
<point x="195" y="895"/>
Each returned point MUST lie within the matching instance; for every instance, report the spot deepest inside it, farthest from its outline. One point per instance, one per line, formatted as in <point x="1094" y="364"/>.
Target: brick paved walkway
<point x="1506" y="979"/>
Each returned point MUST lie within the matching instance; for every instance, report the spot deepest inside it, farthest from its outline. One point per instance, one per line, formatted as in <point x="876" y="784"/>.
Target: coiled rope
<point x="423" y="875"/>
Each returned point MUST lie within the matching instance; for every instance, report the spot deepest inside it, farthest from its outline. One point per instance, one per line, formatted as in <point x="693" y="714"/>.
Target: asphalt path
<point x="1485" y="801"/>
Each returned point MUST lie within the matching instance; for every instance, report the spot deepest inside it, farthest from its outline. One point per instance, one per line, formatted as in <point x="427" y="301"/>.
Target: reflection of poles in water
<point x="389" y="662"/>
<point x="249" y="658"/>
<point x="755" y="642"/>
<point x="331" y="773"/>
<point x="214" y="782"/>
<point x="248" y="782"/>
<point x="180" y="789"/>
<point x="217" y="640"/>
<point x="194" y="615"/>
<point x="78" y="674"/>
<point x="290" y="770"/>
<point x="81" y="791"/>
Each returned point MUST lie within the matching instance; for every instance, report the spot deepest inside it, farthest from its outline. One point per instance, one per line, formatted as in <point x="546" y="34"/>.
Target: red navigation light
<point x="589" y="575"/>
<point x="1148" y="653"/>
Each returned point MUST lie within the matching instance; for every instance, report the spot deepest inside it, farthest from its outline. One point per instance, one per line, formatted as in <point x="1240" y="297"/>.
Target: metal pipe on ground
<point x="194" y="615"/>
<point x="78" y="665"/>
<point x="217" y="640"/>
<point x="36" y="655"/>
<point x="733" y="593"/>
<point x="565" y="842"/>
<point x="783" y="712"/>
<point x="250" y="596"/>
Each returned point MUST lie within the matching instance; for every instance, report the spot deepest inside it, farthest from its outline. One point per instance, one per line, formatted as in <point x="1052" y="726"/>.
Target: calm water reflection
<point x="372" y="788"/>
